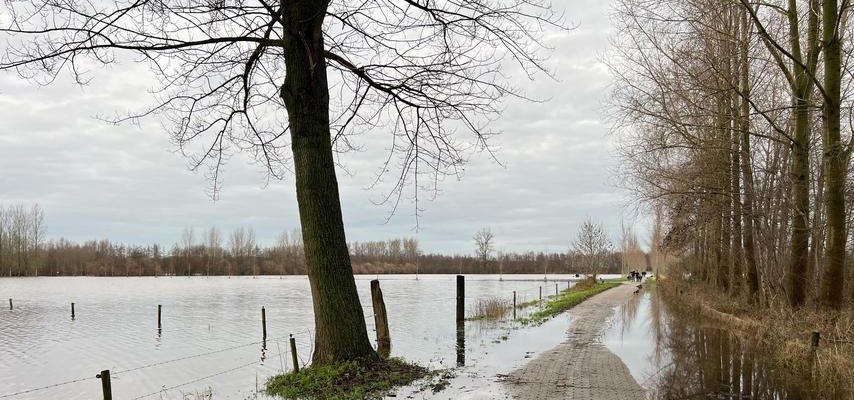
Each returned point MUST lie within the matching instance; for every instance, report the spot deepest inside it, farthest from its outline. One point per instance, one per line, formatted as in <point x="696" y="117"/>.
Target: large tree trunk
<point x="339" y="321"/>
<point x="801" y="90"/>
<point x="797" y="282"/>
<point x="725" y="200"/>
<point x="833" y="281"/>
<point x="746" y="164"/>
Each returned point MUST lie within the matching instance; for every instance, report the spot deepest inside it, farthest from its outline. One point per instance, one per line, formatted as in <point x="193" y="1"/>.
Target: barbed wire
<point x="166" y="389"/>
<point x="194" y="356"/>
<point x="124" y="371"/>
<point x="46" y="387"/>
<point x="274" y="357"/>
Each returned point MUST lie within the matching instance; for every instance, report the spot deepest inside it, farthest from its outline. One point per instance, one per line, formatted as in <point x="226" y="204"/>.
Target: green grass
<point x="345" y="381"/>
<point x="568" y="299"/>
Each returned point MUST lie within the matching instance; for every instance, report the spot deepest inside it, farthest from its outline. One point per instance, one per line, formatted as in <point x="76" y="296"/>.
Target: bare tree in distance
<point x="257" y="76"/>
<point x="38" y="231"/>
<point x="187" y="243"/>
<point x="593" y="245"/>
<point x="213" y="247"/>
<point x="484" y="244"/>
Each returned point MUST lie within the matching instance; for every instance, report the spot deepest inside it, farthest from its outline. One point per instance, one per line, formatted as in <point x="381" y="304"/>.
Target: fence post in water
<point x="264" y="322"/>
<point x="514" y="304"/>
<point x="541" y="294"/>
<point x="556" y="292"/>
<point x="105" y="384"/>
<point x="461" y="298"/>
<point x="380" y="320"/>
<point x="159" y="308"/>
<point x="11" y="307"/>
<point x="72" y="310"/>
<point x="294" y="353"/>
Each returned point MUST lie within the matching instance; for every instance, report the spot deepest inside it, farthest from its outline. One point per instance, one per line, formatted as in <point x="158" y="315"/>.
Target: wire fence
<point x="53" y="385"/>
<point x="307" y="333"/>
<point x="521" y="296"/>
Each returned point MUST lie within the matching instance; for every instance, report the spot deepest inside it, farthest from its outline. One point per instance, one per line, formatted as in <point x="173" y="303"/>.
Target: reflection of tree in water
<point x="709" y="363"/>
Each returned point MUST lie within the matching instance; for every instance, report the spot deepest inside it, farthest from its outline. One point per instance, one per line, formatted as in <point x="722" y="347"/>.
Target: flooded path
<point x="581" y="367"/>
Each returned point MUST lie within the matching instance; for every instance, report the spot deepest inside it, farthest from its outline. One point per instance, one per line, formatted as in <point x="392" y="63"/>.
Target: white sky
<point x="125" y="183"/>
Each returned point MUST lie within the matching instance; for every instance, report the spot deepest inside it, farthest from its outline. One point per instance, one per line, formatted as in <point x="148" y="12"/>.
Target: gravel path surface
<point x="580" y="367"/>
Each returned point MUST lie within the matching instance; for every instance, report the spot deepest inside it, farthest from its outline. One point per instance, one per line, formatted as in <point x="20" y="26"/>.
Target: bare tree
<point x="593" y="245"/>
<point x="484" y="245"/>
<point x="230" y="71"/>
<point x="187" y="242"/>
<point x="38" y="231"/>
<point x="213" y="248"/>
<point x="4" y="227"/>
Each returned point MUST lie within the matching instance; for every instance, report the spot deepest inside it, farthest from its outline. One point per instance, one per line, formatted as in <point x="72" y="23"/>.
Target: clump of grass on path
<point x="569" y="298"/>
<point x="346" y="380"/>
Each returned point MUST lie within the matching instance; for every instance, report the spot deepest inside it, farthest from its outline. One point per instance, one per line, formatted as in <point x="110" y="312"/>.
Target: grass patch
<point x="490" y="308"/>
<point x="346" y="380"/>
<point x="569" y="298"/>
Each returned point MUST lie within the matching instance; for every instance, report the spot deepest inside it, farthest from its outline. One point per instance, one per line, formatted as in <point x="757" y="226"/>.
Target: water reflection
<point x="461" y="343"/>
<point x="676" y="356"/>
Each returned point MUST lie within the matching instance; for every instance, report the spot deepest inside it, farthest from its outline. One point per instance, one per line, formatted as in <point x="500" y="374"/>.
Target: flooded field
<point x="681" y="357"/>
<point x="211" y="331"/>
<point x="210" y="340"/>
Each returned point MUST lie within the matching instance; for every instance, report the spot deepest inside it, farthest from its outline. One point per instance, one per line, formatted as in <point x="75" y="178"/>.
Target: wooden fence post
<point x="264" y="322"/>
<point x="541" y="294"/>
<point x="11" y="306"/>
<point x="814" y="341"/>
<point x="514" y="304"/>
<point x="380" y="320"/>
<point x="72" y="310"/>
<point x="461" y="298"/>
<point x="294" y="354"/>
<point x="159" y="309"/>
<point x="105" y="384"/>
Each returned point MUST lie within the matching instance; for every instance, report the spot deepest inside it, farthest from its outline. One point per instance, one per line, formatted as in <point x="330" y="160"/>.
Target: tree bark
<point x="747" y="165"/>
<point x="833" y="280"/>
<point x="803" y="86"/>
<point x="340" y="333"/>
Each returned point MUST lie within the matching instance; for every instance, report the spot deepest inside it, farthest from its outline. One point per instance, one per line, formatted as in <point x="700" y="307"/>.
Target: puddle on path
<point x="480" y="377"/>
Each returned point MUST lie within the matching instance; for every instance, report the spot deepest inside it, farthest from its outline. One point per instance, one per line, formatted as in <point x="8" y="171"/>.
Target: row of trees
<point x="731" y="117"/>
<point x="24" y="251"/>
<point x="22" y="234"/>
<point x="590" y="252"/>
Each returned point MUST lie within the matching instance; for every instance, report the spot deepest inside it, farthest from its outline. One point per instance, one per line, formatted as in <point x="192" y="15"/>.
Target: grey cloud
<point x="124" y="182"/>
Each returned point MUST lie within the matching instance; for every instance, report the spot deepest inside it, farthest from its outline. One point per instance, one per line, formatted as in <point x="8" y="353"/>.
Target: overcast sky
<point x="125" y="183"/>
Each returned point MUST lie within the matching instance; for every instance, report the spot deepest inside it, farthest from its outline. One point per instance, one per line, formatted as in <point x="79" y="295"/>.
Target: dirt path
<point x="580" y="367"/>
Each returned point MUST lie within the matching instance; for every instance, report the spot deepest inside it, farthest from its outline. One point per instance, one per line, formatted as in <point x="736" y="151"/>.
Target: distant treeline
<point x="25" y="252"/>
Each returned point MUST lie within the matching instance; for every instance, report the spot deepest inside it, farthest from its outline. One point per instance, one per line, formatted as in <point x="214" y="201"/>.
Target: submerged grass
<point x="490" y="308"/>
<point x="346" y="380"/>
<point x="569" y="298"/>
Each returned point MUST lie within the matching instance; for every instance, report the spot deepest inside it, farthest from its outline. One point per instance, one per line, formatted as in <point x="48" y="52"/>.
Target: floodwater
<point x="677" y="356"/>
<point x="211" y="339"/>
